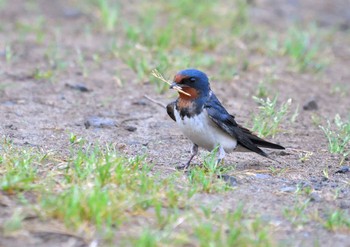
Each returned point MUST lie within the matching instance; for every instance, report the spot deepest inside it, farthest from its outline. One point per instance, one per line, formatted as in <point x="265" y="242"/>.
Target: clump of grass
<point x="337" y="220"/>
<point x="118" y="187"/>
<point x="108" y="14"/>
<point x="101" y="191"/>
<point x="36" y="27"/>
<point x="8" y="53"/>
<point x="240" y="18"/>
<point x="297" y="214"/>
<point x="19" y="169"/>
<point x="234" y="229"/>
<point x="267" y="121"/>
<point x="14" y="223"/>
<point x="41" y="74"/>
<point x="302" y="48"/>
<point x="338" y="136"/>
<point x="207" y="178"/>
<point x="205" y="228"/>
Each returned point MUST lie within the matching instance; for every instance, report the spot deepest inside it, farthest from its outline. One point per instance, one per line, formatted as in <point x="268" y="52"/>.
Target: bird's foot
<point x="183" y="167"/>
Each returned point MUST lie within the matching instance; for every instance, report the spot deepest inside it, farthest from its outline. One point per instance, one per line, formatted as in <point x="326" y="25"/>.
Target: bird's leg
<point x="194" y="152"/>
<point x="221" y="155"/>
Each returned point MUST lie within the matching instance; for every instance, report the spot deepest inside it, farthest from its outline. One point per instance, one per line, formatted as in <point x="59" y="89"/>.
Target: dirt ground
<point x="41" y="113"/>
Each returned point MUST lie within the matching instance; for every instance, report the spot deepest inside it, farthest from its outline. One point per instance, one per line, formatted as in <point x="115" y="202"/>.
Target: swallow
<point x="202" y="118"/>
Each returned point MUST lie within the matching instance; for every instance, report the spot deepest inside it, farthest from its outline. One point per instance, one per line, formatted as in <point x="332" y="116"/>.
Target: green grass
<point x="298" y="214"/>
<point x="37" y="28"/>
<point x="337" y="220"/>
<point x="102" y="191"/>
<point x="181" y="38"/>
<point x="303" y="49"/>
<point x="107" y="13"/>
<point x="269" y="118"/>
<point x="338" y="136"/>
<point x="19" y="168"/>
<point x="304" y="46"/>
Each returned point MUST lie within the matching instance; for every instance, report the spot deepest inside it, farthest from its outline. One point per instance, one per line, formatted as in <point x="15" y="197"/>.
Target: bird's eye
<point x="192" y="79"/>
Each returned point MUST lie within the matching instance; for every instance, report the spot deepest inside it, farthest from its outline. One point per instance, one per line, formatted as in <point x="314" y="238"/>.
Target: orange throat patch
<point x="186" y="101"/>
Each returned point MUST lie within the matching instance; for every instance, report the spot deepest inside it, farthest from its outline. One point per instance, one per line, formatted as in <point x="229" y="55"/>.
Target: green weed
<point x="36" y="27"/>
<point x="118" y="187"/>
<point x="303" y="49"/>
<point x="40" y="74"/>
<point x="234" y="229"/>
<point x="8" y="54"/>
<point x="267" y="122"/>
<point x="14" y="223"/>
<point x="337" y="220"/>
<point x="338" y="136"/>
<point x="19" y="169"/>
<point x="108" y="14"/>
<point x="297" y="214"/>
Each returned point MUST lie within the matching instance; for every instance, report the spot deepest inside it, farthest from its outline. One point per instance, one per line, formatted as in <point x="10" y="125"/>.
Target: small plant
<point x="19" y="169"/>
<point x="267" y="122"/>
<point x="109" y="14"/>
<point x="43" y="74"/>
<point x="302" y="49"/>
<point x="297" y="214"/>
<point x="80" y="60"/>
<point x="14" y="223"/>
<point x="8" y="53"/>
<point x="337" y="220"/>
<point x="339" y="138"/>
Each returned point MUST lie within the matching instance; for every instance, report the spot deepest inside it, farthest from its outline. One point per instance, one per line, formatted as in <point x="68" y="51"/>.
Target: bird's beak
<point x="178" y="88"/>
<point x="173" y="85"/>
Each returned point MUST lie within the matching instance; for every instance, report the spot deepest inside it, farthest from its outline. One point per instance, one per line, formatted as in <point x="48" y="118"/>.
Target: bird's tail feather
<point x="266" y="144"/>
<point x="260" y="142"/>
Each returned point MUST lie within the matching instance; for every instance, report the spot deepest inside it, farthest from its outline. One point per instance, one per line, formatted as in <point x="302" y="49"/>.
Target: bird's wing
<point x="170" y="110"/>
<point x="227" y="123"/>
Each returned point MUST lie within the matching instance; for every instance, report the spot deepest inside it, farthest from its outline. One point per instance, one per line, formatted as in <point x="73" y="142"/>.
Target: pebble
<point x="288" y="189"/>
<point x="230" y="180"/>
<point x="315" y="197"/>
<point x="99" y="122"/>
<point x="79" y="87"/>
<point x="343" y="169"/>
<point x="344" y="204"/>
<point x="130" y="128"/>
<point x="311" y="105"/>
<point x="262" y="176"/>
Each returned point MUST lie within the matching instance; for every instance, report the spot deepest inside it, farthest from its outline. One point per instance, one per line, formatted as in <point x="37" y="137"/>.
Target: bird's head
<point x="192" y="81"/>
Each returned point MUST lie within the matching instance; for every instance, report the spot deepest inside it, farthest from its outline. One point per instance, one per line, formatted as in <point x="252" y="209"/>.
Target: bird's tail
<point x="266" y="144"/>
<point x="260" y="142"/>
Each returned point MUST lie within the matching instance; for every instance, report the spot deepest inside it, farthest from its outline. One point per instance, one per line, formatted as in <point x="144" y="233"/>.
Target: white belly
<point x="201" y="130"/>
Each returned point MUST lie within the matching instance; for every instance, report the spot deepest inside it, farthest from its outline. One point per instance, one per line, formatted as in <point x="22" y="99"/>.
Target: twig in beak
<point x="158" y="75"/>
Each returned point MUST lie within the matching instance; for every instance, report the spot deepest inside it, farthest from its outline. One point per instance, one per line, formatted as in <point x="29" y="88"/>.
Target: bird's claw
<point x="183" y="167"/>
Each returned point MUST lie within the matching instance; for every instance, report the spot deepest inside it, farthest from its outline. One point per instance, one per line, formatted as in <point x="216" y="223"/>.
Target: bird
<point x="204" y="120"/>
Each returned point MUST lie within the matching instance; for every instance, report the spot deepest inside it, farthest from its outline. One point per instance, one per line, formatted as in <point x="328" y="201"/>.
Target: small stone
<point x="11" y="126"/>
<point x="140" y="102"/>
<point x="262" y="176"/>
<point x="311" y="105"/>
<point x="121" y="146"/>
<point x="315" y="197"/>
<point x="343" y="169"/>
<point x="79" y="87"/>
<point x="344" y="204"/>
<point x="99" y="122"/>
<point x="130" y="128"/>
<point x="288" y="189"/>
<point x="230" y="180"/>
<point x="8" y="103"/>
<point x="72" y="13"/>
